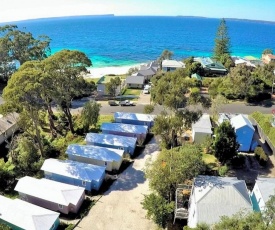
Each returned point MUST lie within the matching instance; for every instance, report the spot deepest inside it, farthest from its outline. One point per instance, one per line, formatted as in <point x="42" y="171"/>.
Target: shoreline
<point x="97" y="72"/>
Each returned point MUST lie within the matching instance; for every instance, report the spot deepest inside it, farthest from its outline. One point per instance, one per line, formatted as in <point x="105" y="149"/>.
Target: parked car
<point x="112" y="103"/>
<point x="146" y="91"/>
<point x="126" y="103"/>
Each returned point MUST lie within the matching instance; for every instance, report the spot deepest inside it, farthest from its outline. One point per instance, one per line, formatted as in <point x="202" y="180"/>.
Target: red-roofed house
<point x="267" y="58"/>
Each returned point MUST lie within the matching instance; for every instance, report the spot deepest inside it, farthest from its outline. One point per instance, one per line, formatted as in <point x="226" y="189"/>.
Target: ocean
<point x="128" y="40"/>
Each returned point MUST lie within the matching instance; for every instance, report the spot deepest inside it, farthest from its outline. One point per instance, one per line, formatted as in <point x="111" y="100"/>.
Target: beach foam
<point x="117" y="70"/>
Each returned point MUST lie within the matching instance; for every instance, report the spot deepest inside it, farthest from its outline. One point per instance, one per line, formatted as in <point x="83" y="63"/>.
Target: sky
<point x="16" y="10"/>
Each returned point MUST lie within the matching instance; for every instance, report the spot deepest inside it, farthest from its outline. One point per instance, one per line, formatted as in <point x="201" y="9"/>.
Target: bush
<point x="207" y="81"/>
<point x="223" y="170"/>
<point x="261" y="156"/>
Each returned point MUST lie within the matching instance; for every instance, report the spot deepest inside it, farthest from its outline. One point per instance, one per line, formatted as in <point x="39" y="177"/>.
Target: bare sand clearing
<point x="96" y="72"/>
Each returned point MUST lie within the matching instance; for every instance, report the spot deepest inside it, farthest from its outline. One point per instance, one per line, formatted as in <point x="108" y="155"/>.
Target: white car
<point x="146" y="91"/>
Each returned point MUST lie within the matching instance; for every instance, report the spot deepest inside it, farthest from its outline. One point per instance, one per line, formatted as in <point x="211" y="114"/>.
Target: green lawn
<point x="135" y="92"/>
<point x="105" y="118"/>
<point x="210" y="160"/>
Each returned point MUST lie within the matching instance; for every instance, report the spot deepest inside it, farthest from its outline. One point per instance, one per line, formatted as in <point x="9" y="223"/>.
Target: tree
<point x="112" y="85"/>
<point x="217" y="104"/>
<point x="7" y="175"/>
<point x="222" y="41"/>
<point x="17" y="45"/>
<point x="132" y="70"/>
<point x="225" y="145"/>
<point x="65" y="69"/>
<point x="165" y="55"/>
<point x="267" y="51"/>
<point x="173" y="167"/>
<point x="22" y="94"/>
<point x="90" y="114"/>
<point x="148" y="109"/>
<point x="158" y="209"/>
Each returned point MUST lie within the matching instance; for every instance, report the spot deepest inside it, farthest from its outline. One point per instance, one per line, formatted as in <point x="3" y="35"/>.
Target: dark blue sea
<point x="118" y="41"/>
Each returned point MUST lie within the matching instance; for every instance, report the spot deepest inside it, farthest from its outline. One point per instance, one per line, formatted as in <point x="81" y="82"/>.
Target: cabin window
<point x="84" y="183"/>
<point x="53" y="226"/>
<point x="194" y="214"/>
<point x="60" y="206"/>
<point x="121" y="148"/>
<point x="105" y="163"/>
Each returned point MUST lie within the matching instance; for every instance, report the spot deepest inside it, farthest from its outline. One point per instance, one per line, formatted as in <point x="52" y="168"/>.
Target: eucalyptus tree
<point x="173" y="92"/>
<point x="22" y="94"/>
<point x="21" y="46"/>
<point x="65" y="69"/>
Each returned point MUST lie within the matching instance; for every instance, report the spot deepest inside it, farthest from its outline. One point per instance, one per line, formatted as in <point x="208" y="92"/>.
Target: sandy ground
<point x="117" y="70"/>
<point x="119" y="208"/>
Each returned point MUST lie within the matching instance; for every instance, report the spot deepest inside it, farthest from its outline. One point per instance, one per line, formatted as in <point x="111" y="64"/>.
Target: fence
<point x="262" y="134"/>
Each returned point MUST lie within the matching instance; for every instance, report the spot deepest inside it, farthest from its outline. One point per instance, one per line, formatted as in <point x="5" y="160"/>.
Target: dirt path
<point x="120" y="208"/>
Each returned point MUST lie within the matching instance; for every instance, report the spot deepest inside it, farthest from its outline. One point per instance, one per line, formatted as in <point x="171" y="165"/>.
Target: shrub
<point x="207" y="81"/>
<point x="261" y="156"/>
<point x="223" y="170"/>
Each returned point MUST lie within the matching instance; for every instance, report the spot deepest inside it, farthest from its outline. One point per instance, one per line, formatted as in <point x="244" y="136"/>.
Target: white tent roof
<point x="50" y="190"/>
<point x="110" y="139"/>
<point x="95" y="152"/>
<point x="125" y="128"/>
<point x="240" y="121"/>
<point x="73" y="169"/>
<point x="25" y="215"/>
<point x="172" y="63"/>
<point x="266" y="187"/>
<point x="224" y="196"/>
<point x="203" y="125"/>
<point x="134" y="116"/>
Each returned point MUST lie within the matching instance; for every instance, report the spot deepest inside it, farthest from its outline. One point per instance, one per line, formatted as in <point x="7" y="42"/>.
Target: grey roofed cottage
<point x="147" y="73"/>
<point x="201" y="129"/>
<point x="8" y="125"/>
<point x="128" y="130"/>
<point x="128" y="144"/>
<point x="171" y="65"/>
<point x="213" y="197"/>
<point x="19" y="214"/>
<point x="50" y="194"/>
<point x="263" y="189"/>
<point x="75" y="173"/>
<point x="134" y="118"/>
<point x="102" y="156"/>
<point x="135" y="82"/>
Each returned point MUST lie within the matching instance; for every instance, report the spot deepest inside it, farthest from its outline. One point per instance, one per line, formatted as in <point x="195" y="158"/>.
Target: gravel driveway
<point x="119" y="208"/>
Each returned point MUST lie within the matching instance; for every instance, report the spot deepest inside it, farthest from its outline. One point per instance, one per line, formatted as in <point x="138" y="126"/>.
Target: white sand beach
<point x="96" y="72"/>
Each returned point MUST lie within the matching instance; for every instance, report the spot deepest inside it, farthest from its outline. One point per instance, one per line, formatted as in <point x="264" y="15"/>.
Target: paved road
<point x="236" y="107"/>
<point x="120" y="207"/>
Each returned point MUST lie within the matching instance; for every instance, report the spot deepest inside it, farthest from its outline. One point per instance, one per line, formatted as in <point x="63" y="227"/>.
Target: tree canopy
<point x="225" y="144"/>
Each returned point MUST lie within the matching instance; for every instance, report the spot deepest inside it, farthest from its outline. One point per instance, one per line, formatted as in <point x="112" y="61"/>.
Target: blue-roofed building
<point x="128" y="144"/>
<point x="244" y="131"/>
<point x="102" y="156"/>
<point x="135" y="118"/>
<point x="127" y="130"/>
<point x="75" y="173"/>
<point x="211" y="66"/>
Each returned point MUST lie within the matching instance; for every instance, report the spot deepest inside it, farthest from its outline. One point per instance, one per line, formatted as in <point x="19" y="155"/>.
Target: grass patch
<point x="210" y="160"/>
<point x="105" y="118"/>
<point x="95" y="80"/>
<point x="135" y="92"/>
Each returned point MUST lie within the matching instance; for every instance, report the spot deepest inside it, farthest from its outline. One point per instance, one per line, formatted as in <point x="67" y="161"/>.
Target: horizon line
<point x="114" y="15"/>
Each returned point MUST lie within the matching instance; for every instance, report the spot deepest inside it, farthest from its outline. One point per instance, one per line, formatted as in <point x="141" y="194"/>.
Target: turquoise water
<point x="119" y="41"/>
